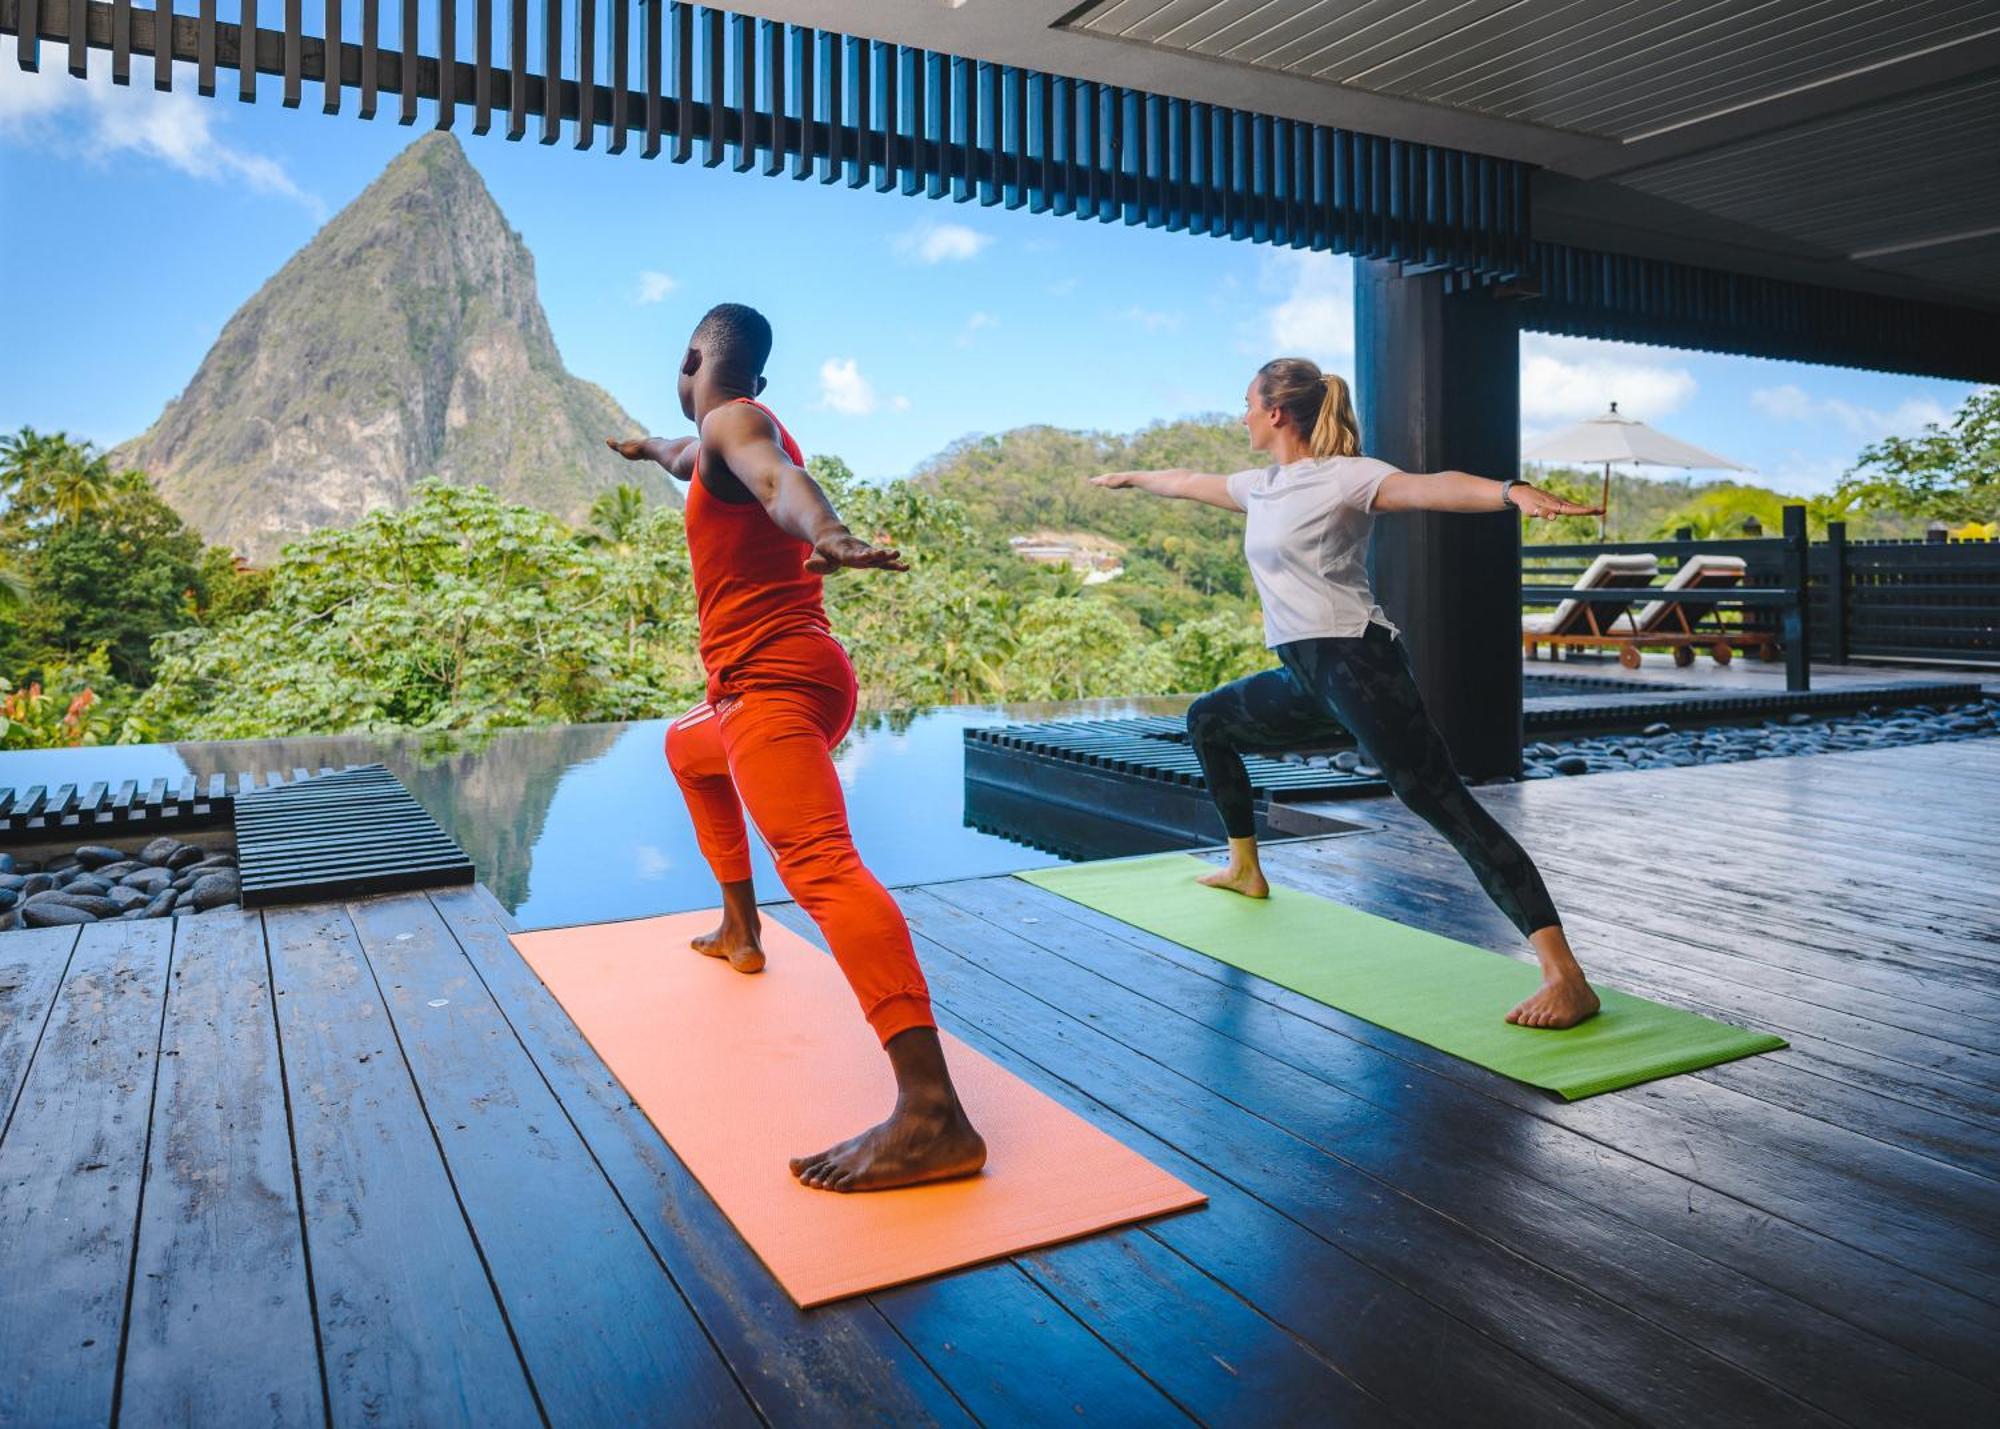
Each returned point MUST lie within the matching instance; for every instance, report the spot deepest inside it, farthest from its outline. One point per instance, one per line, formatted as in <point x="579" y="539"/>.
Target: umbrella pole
<point x="1604" y="501"/>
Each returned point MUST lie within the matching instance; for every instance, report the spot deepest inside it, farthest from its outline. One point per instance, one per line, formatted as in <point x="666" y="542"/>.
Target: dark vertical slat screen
<point x="163" y="45"/>
<point x="683" y="83"/>
<point x="746" y="93"/>
<point x="371" y="24"/>
<point x="121" y="40"/>
<point x="586" y="73"/>
<point x="27" y="44"/>
<point x="295" y="34"/>
<point x="655" y="76"/>
<point x="773" y="107"/>
<point x="79" y="39"/>
<point x="517" y="70"/>
<point x="482" y="66"/>
<point x="551" y="71"/>
<point x="447" y="62"/>
<point x="621" y="66"/>
<point x="333" y="76"/>
<point x="713" y="37"/>
<point x="805" y="71"/>
<point x="246" y="55"/>
<point x="406" y="65"/>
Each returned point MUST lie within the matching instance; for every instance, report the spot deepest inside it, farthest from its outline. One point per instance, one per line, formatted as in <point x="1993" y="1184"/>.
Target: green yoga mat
<point x="1443" y="993"/>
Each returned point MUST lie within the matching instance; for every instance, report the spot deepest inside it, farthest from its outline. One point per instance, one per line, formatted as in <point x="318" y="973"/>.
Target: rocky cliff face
<point x="405" y="340"/>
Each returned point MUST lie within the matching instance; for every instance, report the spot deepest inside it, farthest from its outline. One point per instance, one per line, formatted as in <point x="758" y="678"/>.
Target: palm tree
<point x="615" y="516"/>
<point x="13" y="582"/>
<point x="79" y="483"/>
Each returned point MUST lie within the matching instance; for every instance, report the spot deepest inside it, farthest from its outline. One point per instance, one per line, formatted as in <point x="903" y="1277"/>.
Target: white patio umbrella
<point x="1614" y="438"/>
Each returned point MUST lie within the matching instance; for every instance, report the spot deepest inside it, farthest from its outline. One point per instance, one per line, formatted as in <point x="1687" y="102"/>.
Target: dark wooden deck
<point x="349" y="1164"/>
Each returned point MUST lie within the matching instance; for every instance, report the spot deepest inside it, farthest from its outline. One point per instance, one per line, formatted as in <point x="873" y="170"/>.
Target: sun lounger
<point x="1591" y="620"/>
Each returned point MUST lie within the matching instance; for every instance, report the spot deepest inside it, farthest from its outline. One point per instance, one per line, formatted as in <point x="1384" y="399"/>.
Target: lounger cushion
<point x="1702" y="568"/>
<point x="1602" y="571"/>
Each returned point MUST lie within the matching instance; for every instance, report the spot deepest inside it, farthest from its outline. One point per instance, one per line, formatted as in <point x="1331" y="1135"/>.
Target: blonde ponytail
<point x="1318" y="403"/>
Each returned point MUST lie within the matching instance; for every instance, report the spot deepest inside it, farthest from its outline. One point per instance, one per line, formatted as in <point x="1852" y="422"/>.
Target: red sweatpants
<point x="766" y="744"/>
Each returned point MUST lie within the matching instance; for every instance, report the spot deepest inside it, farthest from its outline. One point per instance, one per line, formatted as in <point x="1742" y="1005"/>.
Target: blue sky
<point x="132" y="224"/>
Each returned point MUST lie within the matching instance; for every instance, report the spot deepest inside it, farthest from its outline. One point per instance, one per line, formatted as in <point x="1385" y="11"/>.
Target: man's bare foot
<point x="1247" y="881"/>
<point x="911" y="1147"/>
<point x="738" y="942"/>
<point x="1561" y="1002"/>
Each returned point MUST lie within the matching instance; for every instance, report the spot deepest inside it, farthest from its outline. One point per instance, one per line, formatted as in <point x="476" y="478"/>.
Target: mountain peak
<point x="406" y="339"/>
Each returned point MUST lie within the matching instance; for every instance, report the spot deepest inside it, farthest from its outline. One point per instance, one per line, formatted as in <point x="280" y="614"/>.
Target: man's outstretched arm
<point x="747" y="442"/>
<point x="676" y="454"/>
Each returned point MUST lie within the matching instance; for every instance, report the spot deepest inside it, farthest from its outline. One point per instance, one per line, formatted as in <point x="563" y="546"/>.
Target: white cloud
<point x="1566" y="379"/>
<point x="978" y="322"/>
<point x="843" y="389"/>
<point x="1151" y="320"/>
<point x="1792" y="403"/>
<point x="1063" y="288"/>
<point x="1314" y="314"/>
<point x="96" y="118"/>
<point x="655" y="286"/>
<point x="940" y="243"/>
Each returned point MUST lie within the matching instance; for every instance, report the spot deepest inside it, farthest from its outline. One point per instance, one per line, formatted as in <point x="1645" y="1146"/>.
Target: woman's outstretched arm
<point x="1185" y="485"/>
<point x="1462" y="491"/>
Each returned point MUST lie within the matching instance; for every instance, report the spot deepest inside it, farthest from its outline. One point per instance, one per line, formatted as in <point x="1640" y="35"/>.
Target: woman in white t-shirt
<point x="1343" y="669"/>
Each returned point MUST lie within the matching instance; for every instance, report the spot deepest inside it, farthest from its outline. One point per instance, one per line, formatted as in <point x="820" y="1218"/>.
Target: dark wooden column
<point x="1439" y="390"/>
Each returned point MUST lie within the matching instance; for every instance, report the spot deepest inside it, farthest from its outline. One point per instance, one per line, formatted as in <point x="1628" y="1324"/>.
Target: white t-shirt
<point x="1307" y="540"/>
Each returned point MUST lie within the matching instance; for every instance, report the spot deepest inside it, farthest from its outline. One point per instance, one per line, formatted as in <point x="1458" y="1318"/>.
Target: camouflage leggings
<point x="1362" y="686"/>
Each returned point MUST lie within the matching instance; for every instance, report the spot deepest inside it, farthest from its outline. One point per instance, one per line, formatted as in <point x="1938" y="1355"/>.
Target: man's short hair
<point x="735" y="335"/>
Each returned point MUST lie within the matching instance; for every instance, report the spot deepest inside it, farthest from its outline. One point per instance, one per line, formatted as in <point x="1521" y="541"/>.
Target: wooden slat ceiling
<point x="1619" y="69"/>
<point x="1865" y="133"/>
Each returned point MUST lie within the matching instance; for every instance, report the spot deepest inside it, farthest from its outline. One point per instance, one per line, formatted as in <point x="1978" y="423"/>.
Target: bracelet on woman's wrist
<point x="1507" y="490"/>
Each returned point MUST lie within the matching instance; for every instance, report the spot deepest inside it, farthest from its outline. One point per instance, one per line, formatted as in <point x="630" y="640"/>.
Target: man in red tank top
<point x="781" y="694"/>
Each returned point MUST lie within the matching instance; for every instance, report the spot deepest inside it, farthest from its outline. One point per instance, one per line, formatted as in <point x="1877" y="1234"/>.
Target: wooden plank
<point x="1914" y="1313"/>
<point x="1369" y="1327"/>
<point x="447" y="64"/>
<point x="406" y="1311"/>
<point x="79" y="39"/>
<point x="517" y="70"/>
<point x="28" y="39"/>
<point x="840" y="1361"/>
<point x="121" y="40"/>
<point x="221" y="1327"/>
<point x="1522" y="1203"/>
<point x="482" y="66"/>
<point x="246" y="52"/>
<point x="586" y="73"/>
<point x="294" y="43"/>
<point x="371" y="23"/>
<point x="601" y="1325"/>
<point x="73" y="1162"/>
<point x="655" y="47"/>
<point x="406" y="63"/>
<point x="551" y="70"/>
<point x="32" y="962"/>
<point x="621" y="70"/>
<point x="333" y="71"/>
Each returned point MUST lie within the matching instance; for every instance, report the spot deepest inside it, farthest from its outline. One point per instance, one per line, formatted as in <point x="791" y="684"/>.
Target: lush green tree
<point x="459" y="612"/>
<point x="1944" y="473"/>
<point x="113" y="579"/>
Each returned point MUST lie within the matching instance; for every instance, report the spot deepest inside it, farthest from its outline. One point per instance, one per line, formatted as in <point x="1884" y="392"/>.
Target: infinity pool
<point x="583" y="823"/>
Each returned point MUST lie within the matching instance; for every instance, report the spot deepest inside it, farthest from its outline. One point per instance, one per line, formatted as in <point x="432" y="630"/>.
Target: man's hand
<point x="632" y="448"/>
<point x="1118" y="479"/>
<point x="1544" y="506"/>
<point x="845" y="550"/>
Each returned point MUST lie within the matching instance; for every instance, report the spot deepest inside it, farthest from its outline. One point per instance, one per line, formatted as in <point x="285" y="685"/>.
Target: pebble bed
<point x="97" y="884"/>
<point x="1665" y="746"/>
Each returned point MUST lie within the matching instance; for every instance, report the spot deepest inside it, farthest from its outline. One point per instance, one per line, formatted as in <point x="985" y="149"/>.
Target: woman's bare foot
<point x="738" y="942"/>
<point x="1561" y="1002"/>
<point x="1247" y="881"/>
<point x="1244" y="874"/>
<point x="913" y="1146"/>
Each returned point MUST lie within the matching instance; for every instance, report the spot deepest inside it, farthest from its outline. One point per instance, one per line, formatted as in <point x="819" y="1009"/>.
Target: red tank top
<point x="750" y="581"/>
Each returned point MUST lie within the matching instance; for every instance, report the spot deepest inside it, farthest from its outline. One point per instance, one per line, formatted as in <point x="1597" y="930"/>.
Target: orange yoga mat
<point x="741" y="1073"/>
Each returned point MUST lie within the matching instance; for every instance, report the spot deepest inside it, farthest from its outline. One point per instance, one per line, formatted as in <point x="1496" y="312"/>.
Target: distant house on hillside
<point x="1098" y="557"/>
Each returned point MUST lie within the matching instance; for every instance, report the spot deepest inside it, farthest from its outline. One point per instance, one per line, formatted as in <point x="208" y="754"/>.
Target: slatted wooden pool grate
<point x="339" y="835"/>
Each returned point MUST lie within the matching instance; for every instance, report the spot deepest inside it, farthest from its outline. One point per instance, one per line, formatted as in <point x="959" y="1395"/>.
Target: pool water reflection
<point x="583" y="823"/>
